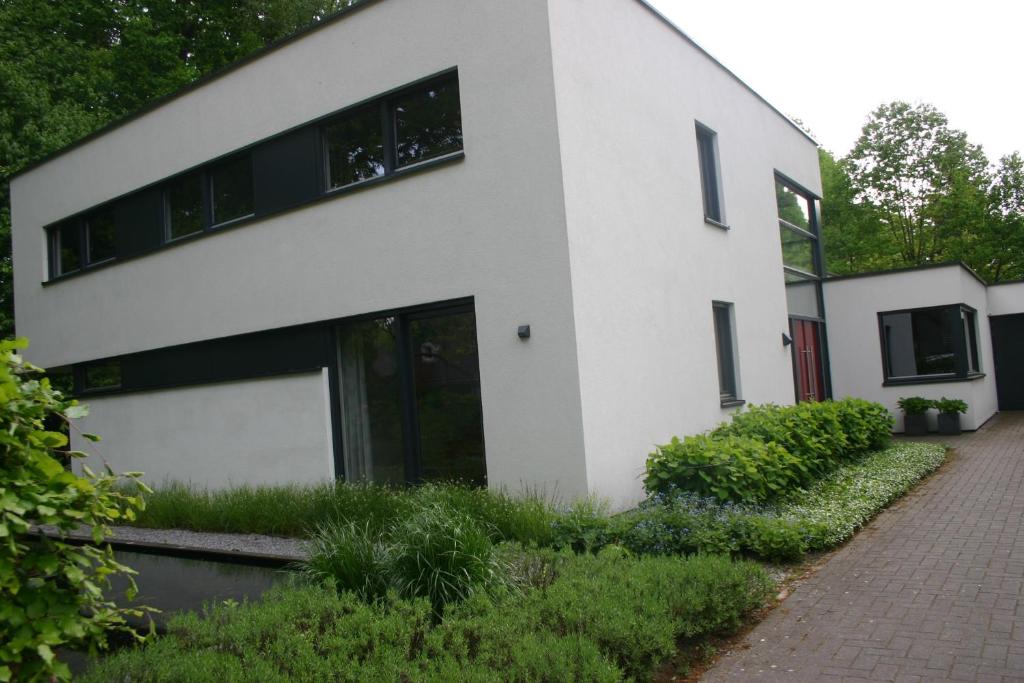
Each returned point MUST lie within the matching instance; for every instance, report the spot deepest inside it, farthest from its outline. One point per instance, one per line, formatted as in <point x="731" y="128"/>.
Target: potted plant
<point x="949" y="414"/>
<point x="915" y="414"/>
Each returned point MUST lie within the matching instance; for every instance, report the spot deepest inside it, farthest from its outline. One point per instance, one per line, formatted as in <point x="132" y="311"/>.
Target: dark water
<point x="176" y="584"/>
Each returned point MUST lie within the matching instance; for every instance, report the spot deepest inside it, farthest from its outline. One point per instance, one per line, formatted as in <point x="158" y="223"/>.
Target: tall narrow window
<point x="231" y="189"/>
<point x="99" y="236"/>
<point x="710" y="185"/>
<point x="66" y="248"/>
<point x="184" y="199"/>
<point x="726" y="350"/>
<point x="428" y="122"/>
<point x="355" y="147"/>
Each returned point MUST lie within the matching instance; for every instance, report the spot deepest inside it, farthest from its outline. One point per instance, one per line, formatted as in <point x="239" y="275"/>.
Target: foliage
<point x="297" y="510"/>
<point x="51" y="592"/>
<point x="768" y="450"/>
<point x="350" y="556"/>
<point x="602" y="618"/>
<point x="915" y="405"/>
<point x="729" y="467"/>
<point x="950" y="405"/>
<point x="913" y="191"/>
<point x="68" y="68"/>
<point x="816" y="518"/>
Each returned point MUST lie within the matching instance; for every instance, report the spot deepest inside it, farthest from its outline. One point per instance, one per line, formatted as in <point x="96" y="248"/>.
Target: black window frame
<point x="723" y="315"/>
<point x="962" y="321"/>
<point x="710" y="175"/>
<point x="389" y="139"/>
<point x="130" y="243"/>
<point x="204" y="205"/>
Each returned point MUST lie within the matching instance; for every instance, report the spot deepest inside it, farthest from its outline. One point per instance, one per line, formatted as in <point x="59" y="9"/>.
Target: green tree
<point x="855" y="240"/>
<point x="68" y="68"/>
<point x="51" y="592"/>
<point x="1000" y="255"/>
<point x="927" y="182"/>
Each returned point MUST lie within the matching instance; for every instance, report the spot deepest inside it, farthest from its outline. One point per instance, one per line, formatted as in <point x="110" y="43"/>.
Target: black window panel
<point x="922" y="342"/>
<point x="253" y="355"/>
<point x="709" y="182"/>
<point x="138" y="222"/>
<point x="725" y="352"/>
<point x="66" y="246"/>
<point x="797" y="250"/>
<point x="184" y="205"/>
<point x="355" y="147"/>
<point x="286" y="171"/>
<point x="103" y="375"/>
<point x="428" y="122"/>
<point x="970" y="329"/>
<point x="794" y="208"/>
<point x="231" y="189"/>
<point x="100" y="236"/>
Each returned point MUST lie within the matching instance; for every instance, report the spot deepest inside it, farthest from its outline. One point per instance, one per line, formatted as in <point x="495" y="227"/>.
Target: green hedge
<point x="768" y="450"/>
<point x="609" y="617"/>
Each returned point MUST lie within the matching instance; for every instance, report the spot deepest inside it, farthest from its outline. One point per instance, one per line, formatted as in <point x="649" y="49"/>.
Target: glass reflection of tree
<point x="428" y="123"/>
<point x="792" y="207"/>
<point x="448" y="398"/>
<point x="355" y="148"/>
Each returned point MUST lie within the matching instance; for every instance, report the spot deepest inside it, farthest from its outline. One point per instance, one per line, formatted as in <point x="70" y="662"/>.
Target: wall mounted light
<point x="524" y="331"/>
<point x="786" y="341"/>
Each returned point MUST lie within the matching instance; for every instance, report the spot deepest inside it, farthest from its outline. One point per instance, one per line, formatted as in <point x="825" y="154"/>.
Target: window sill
<point x="944" y="379"/>
<point x="733" y="402"/>
<point x="717" y="224"/>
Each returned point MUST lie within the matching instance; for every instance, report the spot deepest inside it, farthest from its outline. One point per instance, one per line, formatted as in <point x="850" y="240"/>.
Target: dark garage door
<point x="1008" y="348"/>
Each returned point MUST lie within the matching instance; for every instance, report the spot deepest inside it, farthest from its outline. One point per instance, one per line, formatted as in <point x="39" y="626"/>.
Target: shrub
<point x="950" y="405"/>
<point x="51" y="592"/>
<point x="441" y="554"/>
<point x="914" y="405"/>
<point x="867" y="425"/>
<point x="604" y="618"/>
<point x="729" y="467"/>
<point x="349" y="556"/>
<point x="581" y="526"/>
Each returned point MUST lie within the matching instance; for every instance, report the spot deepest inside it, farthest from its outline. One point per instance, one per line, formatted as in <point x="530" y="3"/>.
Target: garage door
<point x="1008" y="348"/>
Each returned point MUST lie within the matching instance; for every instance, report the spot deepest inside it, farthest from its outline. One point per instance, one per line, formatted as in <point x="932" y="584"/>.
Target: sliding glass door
<point x="410" y="394"/>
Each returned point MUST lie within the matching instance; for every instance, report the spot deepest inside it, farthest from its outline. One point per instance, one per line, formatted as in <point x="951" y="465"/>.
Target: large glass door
<point x="410" y="394"/>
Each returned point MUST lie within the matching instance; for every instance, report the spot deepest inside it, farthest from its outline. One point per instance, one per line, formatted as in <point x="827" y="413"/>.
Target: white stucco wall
<point x="645" y="265"/>
<point x="852" y="306"/>
<point x="263" y="431"/>
<point x="1006" y="299"/>
<point x="491" y="226"/>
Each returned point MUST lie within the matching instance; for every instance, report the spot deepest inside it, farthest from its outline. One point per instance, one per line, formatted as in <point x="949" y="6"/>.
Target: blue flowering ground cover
<point x="819" y="517"/>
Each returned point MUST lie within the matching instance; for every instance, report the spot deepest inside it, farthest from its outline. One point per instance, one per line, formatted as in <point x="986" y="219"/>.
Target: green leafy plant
<point x="350" y="556"/>
<point x="915" y="405"/>
<point x="52" y="592"/>
<point x="950" y="406"/>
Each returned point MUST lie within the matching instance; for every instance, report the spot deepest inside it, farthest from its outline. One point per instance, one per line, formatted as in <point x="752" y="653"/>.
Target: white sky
<point x="829" y="63"/>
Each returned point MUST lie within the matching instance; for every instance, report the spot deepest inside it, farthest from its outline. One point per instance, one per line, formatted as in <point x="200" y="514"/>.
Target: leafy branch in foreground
<point x="52" y="592"/>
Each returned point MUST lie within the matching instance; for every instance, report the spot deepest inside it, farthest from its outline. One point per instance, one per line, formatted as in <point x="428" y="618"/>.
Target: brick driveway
<point x="929" y="591"/>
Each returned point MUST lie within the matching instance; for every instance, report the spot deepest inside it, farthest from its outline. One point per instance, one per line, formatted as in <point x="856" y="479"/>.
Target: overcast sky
<point x="830" y="64"/>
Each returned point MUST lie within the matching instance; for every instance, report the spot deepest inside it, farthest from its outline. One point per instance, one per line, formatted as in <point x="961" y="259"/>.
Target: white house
<point x="934" y="331"/>
<point x="519" y="243"/>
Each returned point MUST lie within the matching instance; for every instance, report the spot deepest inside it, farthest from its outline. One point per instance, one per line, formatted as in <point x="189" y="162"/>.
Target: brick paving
<point x="929" y="591"/>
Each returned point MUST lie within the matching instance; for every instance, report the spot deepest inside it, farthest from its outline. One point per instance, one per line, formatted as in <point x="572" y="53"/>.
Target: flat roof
<point x="327" y="21"/>
<point x="910" y="269"/>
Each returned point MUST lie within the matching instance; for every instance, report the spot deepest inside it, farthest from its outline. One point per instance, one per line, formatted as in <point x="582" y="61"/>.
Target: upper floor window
<point x="798" y="233"/>
<point x="65" y="248"/>
<point x="184" y="206"/>
<point x="102" y="375"/>
<point x="710" y="183"/>
<point x="355" y="147"/>
<point x="929" y="343"/>
<point x="428" y="122"/>
<point x="99" y="236"/>
<point x="231" y="195"/>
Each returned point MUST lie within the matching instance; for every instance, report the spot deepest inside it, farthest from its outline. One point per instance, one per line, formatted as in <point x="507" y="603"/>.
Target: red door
<point x="810" y="384"/>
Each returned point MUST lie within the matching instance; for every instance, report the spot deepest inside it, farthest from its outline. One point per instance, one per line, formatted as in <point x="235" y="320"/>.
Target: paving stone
<point x="932" y="591"/>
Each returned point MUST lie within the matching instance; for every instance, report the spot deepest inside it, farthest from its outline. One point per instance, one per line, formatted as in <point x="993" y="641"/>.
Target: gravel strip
<point x="252" y="544"/>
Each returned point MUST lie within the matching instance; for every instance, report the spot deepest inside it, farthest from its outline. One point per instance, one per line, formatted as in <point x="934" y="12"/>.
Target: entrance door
<point x="1008" y="361"/>
<point x="410" y="398"/>
<point x="807" y="365"/>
